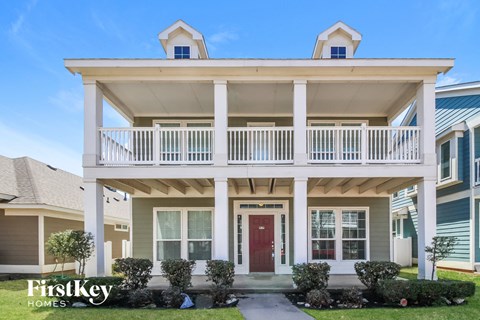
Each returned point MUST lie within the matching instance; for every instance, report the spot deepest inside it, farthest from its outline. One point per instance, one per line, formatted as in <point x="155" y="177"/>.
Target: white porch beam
<point x="300" y="215"/>
<point x="195" y="185"/>
<point x="175" y="185"/>
<point x="93" y="119"/>
<point x="404" y="185"/>
<point x="427" y="224"/>
<point x="312" y="183"/>
<point x="137" y="185"/>
<point x="118" y="185"/>
<point x="221" y="122"/>
<point x="220" y="229"/>
<point x="371" y="183"/>
<point x="234" y="185"/>
<point x="333" y="183"/>
<point x="94" y="223"/>
<point x="271" y="185"/>
<point x="251" y="184"/>
<point x="352" y="183"/>
<point x="300" y="121"/>
<point x="155" y="184"/>
<point x="390" y="184"/>
<point x="426" y="120"/>
<point x="115" y="102"/>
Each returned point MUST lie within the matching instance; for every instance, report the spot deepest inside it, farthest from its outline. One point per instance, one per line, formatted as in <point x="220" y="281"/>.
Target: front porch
<point x="261" y="283"/>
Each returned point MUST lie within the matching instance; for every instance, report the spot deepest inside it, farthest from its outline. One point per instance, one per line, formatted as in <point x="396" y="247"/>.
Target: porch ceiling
<point x="261" y="186"/>
<point x="169" y="99"/>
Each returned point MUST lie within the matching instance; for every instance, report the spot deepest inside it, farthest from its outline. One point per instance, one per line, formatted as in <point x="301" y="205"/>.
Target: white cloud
<point x="69" y="100"/>
<point x="223" y="37"/>
<point x="447" y="80"/>
<point x="108" y="26"/>
<point x="18" y="143"/>
<point x="17" y="25"/>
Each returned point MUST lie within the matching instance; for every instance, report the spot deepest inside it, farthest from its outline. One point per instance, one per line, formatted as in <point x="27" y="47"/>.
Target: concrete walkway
<point x="269" y="306"/>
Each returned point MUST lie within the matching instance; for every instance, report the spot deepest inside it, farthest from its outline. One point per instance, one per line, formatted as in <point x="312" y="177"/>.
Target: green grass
<point x="14" y="305"/>
<point x="469" y="311"/>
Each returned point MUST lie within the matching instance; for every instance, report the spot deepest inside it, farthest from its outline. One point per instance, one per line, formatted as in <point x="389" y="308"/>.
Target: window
<point x="184" y="233"/>
<point x="395" y="195"/>
<point x="121" y="227"/>
<point x="445" y="167"/>
<point x="181" y="52"/>
<point x="338" y="234"/>
<point x="338" y="52"/>
<point x="239" y="240"/>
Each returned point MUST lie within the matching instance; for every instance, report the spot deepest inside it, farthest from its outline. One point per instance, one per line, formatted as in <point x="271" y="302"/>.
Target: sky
<point x="41" y="103"/>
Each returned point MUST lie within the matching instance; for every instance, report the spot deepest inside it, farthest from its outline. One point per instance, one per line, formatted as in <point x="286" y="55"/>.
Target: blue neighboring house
<point x="457" y="125"/>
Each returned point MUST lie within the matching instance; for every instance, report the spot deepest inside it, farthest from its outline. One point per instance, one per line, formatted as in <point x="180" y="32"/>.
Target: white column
<point x="427" y="224"/>
<point x="300" y="218"/>
<point x="94" y="223"/>
<point x="300" y="121"/>
<point x="426" y="120"/>
<point x="93" y="119"/>
<point x="221" y="122"/>
<point x="220" y="225"/>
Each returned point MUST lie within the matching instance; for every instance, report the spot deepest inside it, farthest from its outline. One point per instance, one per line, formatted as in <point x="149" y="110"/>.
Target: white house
<point x="265" y="162"/>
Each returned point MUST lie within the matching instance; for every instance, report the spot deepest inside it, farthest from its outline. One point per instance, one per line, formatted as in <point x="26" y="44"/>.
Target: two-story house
<point x="457" y="118"/>
<point x="264" y="162"/>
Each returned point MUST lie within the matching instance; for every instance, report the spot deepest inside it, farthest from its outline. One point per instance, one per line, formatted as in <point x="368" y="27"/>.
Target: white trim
<point x="244" y="268"/>
<point x="41" y="240"/>
<point x="258" y="124"/>
<point x="121" y="229"/>
<point x="201" y="264"/>
<point x="457" y="264"/>
<point x="340" y="266"/>
<point x="182" y="122"/>
<point x="453" y="197"/>
<point x="34" y="269"/>
<point x="336" y="122"/>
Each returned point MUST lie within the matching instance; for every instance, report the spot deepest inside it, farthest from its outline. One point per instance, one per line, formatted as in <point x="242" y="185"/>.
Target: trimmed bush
<point x="178" y="272"/>
<point x="425" y="292"/>
<point x="352" y="298"/>
<point x="140" y="298"/>
<point x="113" y="297"/>
<point x="370" y="273"/>
<point x="319" y="298"/>
<point x="137" y="272"/>
<point x="310" y="276"/>
<point x="172" y="297"/>
<point x="222" y="274"/>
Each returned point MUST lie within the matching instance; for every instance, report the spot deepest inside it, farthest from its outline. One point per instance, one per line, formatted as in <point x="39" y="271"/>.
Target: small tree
<point x="58" y="245"/>
<point x="81" y="248"/>
<point x="441" y="248"/>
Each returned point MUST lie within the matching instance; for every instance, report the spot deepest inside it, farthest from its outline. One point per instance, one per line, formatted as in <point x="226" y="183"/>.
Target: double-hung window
<point x="445" y="161"/>
<point x="183" y="233"/>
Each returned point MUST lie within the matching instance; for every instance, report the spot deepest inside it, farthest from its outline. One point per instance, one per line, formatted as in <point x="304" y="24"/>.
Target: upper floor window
<point x="338" y="52"/>
<point x="182" y="52"/>
<point x="445" y="167"/>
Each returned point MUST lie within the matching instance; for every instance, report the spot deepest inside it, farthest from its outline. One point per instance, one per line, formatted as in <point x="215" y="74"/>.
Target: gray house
<point x="457" y="119"/>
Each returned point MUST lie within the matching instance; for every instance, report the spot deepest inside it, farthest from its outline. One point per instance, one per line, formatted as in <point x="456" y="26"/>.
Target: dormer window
<point x="338" y="52"/>
<point x="182" y="52"/>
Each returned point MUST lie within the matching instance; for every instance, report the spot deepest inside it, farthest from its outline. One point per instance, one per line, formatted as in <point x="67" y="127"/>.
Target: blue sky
<point x="41" y="102"/>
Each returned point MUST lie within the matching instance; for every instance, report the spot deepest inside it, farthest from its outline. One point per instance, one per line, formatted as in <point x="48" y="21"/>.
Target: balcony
<point x="259" y="145"/>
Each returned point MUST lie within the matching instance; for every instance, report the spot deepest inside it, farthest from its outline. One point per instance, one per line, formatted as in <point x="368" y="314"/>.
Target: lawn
<point x="14" y="305"/>
<point x="469" y="311"/>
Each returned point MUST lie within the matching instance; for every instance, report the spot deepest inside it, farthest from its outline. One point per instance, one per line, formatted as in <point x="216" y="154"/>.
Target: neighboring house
<point x="264" y="162"/>
<point x="457" y="118"/>
<point x="36" y="200"/>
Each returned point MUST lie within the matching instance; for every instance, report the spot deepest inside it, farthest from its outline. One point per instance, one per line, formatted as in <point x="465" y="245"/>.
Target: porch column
<point x="93" y="119"/>
<point x="427" y="224"/>
<point x="300" y="218"/>
<point x="426" y="120"/>
<point x="220" y="225"/>
<point x="300" y="121"/>
<point x="221" y="122"/>
<point x="94" y="223"/>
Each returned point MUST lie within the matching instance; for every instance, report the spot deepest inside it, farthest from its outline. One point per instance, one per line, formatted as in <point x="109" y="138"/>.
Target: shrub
<point x="81" y="248"/>
<point x="172" y="297"/>
<point x="352" y="298"/>
<point x="371" y="272"/>
<point x="319" y="298"/>
<point x="222" y="274"/>
<point x="58" y="245"/>
<point x="87" y="283"/>
<point x="310" y="276"/>
<point x="440" y="249"/>
<point x="178" y="272"/>
<point x="425" y="292"/>
<point x="140" y="298"/>
<point x="137" y="272"/>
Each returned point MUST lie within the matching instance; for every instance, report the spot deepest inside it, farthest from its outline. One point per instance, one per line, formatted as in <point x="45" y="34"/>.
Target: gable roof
<point x="339" y="25"/>
<point x="32" y="182"/>
<point x="164" y="35"/>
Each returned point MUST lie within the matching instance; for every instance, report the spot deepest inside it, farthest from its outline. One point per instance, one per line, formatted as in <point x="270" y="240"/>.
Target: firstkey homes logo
<point x="73" y="288"/>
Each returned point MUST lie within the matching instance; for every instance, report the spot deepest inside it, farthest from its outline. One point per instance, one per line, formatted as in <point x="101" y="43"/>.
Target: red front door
<point x="261" y="234"/>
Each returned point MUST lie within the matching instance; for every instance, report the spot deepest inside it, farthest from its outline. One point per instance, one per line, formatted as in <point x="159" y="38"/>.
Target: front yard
<point x="14" y="305"/>
<point x="469" y="311"/>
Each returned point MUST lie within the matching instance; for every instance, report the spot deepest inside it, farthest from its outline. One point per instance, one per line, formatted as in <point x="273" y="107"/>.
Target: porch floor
<point x="261" y="283"/>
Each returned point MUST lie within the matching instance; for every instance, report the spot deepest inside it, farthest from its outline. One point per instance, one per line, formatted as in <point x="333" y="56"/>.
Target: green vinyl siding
<point x="463" y="168"/>
<point x="379" y="223"/>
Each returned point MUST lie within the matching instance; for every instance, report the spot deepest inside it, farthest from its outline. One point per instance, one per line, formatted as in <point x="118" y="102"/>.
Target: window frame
<point x="184" y="239"/>
<point x="338" y="55"/>
<point x="339" y="235"/>
<point x="182" y="46"/>
<point x="440" y="162"/>
<point x="121" y="229"/>
<point x="453" y="178"/>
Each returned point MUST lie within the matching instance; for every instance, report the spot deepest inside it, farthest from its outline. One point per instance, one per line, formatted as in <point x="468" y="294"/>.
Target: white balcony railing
<point x="363" y="144"/>
<point x="477" y="171"/>
<point x="260" y="145"/>
<point x="127" y="146"/>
